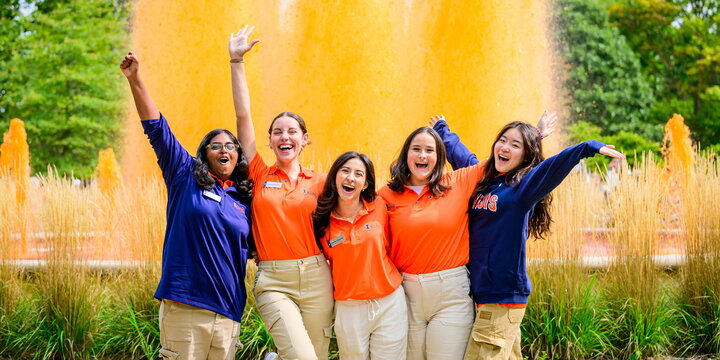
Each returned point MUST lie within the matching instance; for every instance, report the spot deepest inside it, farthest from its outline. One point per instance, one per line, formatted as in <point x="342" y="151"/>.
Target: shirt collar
<point x="367" y="208"/>
<point x="225" y="184"/>
<point x="306" y="173"/>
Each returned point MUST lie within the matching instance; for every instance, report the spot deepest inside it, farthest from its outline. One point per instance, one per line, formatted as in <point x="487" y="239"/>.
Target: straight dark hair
<point x="540" y="219"/>
<point x="328" y="199"/>
<point x="240" y="175"/>
<point x="400" y="172"/>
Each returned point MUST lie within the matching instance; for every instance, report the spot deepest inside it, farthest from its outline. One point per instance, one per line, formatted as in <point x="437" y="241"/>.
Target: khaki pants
<point x="295" y="300"/>
<point x="496" y="333"/>
<point x="189" y="333"/>
<point x="440" y="314"/>
<point x="372" y="329"/>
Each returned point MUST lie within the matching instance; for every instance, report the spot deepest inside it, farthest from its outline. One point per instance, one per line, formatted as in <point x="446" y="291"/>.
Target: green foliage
<point x="678" y="46"/>
<point x="604" y="84"/>
<point x="59" y="75"/>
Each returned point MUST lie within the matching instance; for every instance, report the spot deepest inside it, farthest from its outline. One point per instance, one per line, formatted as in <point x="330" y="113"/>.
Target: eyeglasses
<point x="217" y="146"/>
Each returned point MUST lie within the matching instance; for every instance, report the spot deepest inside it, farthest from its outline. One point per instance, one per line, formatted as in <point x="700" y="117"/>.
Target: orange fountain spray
<point x="363" y="74"/>
<point x="108" y="172"/>
<point x="15" y="158"/>
<point x="677" y="146"/>
<point x="15" y="164"/>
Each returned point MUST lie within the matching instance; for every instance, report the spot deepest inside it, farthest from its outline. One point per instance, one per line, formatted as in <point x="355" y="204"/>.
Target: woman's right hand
<point x="435" y="118"/>
<point x="130" y="65"/>
<point x="239" y="45"/>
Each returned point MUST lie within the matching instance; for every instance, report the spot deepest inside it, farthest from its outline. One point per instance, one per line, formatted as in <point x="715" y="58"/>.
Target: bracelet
<point x="238" y="60"/>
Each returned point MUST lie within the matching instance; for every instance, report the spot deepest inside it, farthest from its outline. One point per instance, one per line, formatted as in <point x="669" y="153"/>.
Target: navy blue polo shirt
<point x="206" y="239"/>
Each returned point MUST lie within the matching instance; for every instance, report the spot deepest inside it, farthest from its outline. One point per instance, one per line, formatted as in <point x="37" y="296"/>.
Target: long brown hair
<point x="400" y="172"/>
<point x="328" y="199"/>
<point x="540" y="220"/>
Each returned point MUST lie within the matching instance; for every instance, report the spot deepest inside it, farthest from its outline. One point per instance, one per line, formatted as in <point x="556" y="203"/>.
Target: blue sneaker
<point x="271" y="356"/>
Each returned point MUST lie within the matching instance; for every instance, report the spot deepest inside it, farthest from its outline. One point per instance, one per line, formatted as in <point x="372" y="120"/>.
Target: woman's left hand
<point x="609" y="150"/>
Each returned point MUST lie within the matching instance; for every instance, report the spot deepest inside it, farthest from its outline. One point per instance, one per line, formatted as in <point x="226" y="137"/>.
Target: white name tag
<point x="211" y="196"/>
<point x="273" y="184"/>
<point x="336" y="241"/>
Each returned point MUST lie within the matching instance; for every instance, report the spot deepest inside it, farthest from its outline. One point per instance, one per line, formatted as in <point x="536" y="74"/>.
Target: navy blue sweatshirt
<point x="499" y="220"/>
<point x="206" y="240"/>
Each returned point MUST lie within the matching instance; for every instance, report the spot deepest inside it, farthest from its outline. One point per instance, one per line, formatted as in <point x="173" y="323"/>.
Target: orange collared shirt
<point x="361" y="267"/>
<point x="281" y="221"/>
<point x="225" y="184"/>
<point x="430" y="233"/>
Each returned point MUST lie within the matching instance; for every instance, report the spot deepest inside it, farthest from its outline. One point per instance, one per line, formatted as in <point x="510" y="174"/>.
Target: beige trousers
<point x="190" y="333"/>
<point x="372" y="329"/>
<point x="295" y="300"/>
<point x="496" y="333"/>
<point x="440" y="314"/>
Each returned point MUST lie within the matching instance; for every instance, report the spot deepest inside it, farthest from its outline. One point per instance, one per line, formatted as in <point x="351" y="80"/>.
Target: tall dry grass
<point x="699" y="218"/>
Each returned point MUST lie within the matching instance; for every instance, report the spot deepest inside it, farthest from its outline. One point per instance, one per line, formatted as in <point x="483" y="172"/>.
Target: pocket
<point x="255" y="287"/>
<point x="516" y="315"/>
<point x="168" y="354"/>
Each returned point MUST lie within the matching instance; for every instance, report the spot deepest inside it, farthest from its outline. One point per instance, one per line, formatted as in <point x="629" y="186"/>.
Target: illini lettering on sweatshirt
<point x="486" y="202"/>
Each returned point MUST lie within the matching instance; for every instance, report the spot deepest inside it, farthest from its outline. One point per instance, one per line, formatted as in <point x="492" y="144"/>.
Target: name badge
<point x="336" y="241"/>
<point x="211" y="196"/>
<point x="273" y="184"/>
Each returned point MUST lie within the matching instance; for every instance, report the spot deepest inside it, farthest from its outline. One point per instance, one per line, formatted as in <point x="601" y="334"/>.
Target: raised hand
<point x="547" y="124"/>
<point x="435" y="118"/>
<point x="239" y="44"/>
<point x="609" y="150"/>
<point x="130" y="65"/>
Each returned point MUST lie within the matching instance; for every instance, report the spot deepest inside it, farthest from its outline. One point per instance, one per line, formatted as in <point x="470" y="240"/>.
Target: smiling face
<point x="509" y="150"/>
<point x="351" y="180"/>
<point x="421" y="158"/>
<point x="222" y="162"/>
<point x="287" y="139"/>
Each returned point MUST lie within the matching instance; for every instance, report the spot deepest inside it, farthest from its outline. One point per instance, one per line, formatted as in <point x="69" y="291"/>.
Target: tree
<point x="604" y="83"/>
<point x="61" y="78"/>
<point x="679" y="49"/>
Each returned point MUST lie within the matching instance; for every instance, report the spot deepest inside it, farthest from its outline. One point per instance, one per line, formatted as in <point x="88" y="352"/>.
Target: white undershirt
<point x="417" y="188"/>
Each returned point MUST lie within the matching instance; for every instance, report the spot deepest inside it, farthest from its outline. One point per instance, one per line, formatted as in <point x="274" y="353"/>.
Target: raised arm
<point x="238" y="47"/>
<point x="144" y="103"/>
<point x="545" y="177"/>
<point x="458" y="154"/>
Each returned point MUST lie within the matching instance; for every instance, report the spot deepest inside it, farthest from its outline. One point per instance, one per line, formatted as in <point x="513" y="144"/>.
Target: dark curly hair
<point x="540" y="220"/>
<point x="328" y="199"/>
<point x="240" y="175"/>
<point x="400" y="172"/>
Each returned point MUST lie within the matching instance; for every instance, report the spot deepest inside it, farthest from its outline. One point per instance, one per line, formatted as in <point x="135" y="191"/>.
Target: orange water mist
<point x="677" y="146"/>
<point x="15" y="158"/>
<point x="108" y="172"/>
<point x="363" y="74"/>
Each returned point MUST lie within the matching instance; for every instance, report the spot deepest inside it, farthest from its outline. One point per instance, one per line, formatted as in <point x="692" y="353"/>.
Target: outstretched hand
<point x="435" y="118"/>
<point x="609" y="150"/>
<point x="239" y="45"/>
<point x="547" y="124"/>
<point x="130" y="65"/>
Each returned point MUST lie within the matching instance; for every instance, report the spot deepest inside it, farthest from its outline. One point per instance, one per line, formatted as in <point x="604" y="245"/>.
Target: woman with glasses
<point x="206" y="239"/>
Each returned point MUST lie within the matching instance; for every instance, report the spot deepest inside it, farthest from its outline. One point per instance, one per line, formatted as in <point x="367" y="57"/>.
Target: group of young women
<point x="388" y="266"/>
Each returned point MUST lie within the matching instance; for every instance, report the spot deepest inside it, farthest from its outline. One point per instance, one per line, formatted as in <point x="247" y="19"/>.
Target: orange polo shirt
<point x="361" y="267"/>
<point x="281" y="221"/>
<point x="430" y="233"/>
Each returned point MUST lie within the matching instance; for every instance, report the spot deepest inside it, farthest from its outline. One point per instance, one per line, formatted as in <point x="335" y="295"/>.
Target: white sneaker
<point x="271" y="356"/>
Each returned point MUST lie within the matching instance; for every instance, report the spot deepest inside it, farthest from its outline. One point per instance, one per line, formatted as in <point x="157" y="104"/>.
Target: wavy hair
<point x="240" y="175"/>
<point x="400" y="172"/>
<point x="328" y="199"/>
<point x="540" y="219"/>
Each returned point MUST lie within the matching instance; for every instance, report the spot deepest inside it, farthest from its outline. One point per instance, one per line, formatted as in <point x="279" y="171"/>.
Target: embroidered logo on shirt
<point x="239" y="207"/>
<point x="488" y="202"/>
